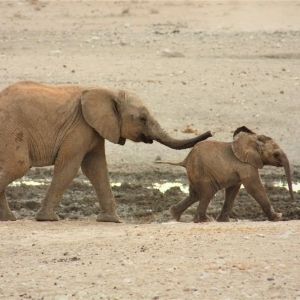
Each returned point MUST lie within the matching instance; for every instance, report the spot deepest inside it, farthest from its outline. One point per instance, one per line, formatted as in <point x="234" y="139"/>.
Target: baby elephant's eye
<point x="277" y="154"/>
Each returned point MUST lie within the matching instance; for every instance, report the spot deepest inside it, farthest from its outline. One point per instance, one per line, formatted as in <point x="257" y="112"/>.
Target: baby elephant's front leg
<point x="255" y="188"/>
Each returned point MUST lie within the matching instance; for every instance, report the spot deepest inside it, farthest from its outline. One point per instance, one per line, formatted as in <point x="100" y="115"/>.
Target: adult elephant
<point x="65" y="126"/>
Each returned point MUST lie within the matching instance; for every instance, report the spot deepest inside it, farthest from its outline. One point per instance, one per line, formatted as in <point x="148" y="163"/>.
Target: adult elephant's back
<point x="39" y="116"/>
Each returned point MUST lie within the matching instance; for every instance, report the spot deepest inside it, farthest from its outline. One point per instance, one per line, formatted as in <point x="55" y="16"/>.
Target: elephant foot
<point x="175" y="214"/>
<point x="43" y="215"/>
<point x="7" y="216"/>
<point x="223" y="218"/>
<point x="106" y="217"/>
<point x="275" y="217"/>
<point x="203" y="219"/>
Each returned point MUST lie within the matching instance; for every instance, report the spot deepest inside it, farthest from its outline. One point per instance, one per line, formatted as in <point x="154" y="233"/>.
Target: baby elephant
<point x="213" y="165"/>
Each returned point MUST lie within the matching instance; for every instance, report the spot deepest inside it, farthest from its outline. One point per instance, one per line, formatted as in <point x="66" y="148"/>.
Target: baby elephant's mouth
<point x="146" y="139"/>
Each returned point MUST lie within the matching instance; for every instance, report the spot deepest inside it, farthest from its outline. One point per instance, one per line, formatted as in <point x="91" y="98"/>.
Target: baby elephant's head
<point x="260" y="150"/>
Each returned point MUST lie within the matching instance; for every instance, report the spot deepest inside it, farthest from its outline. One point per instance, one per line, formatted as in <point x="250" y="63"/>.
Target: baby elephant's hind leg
<point x="205" y="196"/>
<point x="201" y="215"/>
<point x="230" y="194"/>
<point x="177" y="209"/>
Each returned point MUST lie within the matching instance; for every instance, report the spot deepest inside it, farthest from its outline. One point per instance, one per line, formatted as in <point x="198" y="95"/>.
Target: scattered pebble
<point x="157" y="158"/>
<point x="171" y="53"/>
<point x="154" y="11"/>
<point x="125" y="11"/>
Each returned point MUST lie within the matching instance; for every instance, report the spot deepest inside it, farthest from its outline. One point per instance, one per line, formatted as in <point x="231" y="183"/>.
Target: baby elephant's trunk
<point x="287" y="169"/>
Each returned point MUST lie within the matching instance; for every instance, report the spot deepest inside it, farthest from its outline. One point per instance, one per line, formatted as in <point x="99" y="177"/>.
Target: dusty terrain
<point x="199" y="65"/>
<point x="83" y="260"/>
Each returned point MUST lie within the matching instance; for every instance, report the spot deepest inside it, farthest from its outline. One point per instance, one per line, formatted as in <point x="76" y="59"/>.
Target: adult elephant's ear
<point x="245" y="147"/>
<point x="100" y="110"/>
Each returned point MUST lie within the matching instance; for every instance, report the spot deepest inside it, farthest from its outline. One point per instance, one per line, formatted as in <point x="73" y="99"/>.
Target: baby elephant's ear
<point x="242" y="129"/>
<point x="245" y="147"/>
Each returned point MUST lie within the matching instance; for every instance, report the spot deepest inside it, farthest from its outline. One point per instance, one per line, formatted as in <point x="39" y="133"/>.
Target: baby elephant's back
<point x="210" y="158"/>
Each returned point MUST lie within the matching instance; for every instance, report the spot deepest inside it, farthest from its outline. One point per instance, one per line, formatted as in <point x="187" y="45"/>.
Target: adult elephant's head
<point x="120" y="115"/>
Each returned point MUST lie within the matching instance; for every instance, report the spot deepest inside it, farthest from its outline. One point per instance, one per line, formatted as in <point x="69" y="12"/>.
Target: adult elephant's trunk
<point x="287" y="169"/>
<point x="159" y="135"/>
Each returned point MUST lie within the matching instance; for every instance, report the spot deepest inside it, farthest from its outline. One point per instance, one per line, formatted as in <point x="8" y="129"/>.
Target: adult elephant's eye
<point x="143" y="119"/>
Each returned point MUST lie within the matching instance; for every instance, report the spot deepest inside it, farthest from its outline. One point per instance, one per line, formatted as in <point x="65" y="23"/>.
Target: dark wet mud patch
<point x="144" y="197"/>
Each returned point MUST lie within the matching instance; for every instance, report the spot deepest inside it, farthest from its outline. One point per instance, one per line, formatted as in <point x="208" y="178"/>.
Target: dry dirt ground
<point x="83" y="260"/>
<point x="199" y="65"/>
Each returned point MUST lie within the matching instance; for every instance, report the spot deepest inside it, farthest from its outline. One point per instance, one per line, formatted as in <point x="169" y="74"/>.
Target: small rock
<point x="55" y="52"/>
<point x="74" y="258"/>
<point x="157" y="158"/>
<point x="170" y="53"/>
<point x="125" y="11"/>
<point x="154" y="11"/>
<point x="143" y="249"/>
<point x="189" y="129"/>
<point x="122" y="43"/>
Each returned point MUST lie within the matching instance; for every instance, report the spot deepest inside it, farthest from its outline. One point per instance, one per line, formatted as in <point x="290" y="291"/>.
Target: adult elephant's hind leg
<point x="64" y="172"/>
<point x="16" y="166"/>
<point x="5" y="212"/>
<point x="95" y="168"/>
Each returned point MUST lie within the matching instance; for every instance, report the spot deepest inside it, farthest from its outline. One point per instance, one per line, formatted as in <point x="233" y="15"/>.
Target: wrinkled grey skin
<point x="213" y="165"/>
<point x="65" y="126"/>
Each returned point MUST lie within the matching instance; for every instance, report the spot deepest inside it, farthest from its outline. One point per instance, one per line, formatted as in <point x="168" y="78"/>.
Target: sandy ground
<point x="83" y="260"/>
<point x="236" y="63"/>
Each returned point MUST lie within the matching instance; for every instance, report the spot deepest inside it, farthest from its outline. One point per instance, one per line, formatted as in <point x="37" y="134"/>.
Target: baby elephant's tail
<point x="181" y="164"/>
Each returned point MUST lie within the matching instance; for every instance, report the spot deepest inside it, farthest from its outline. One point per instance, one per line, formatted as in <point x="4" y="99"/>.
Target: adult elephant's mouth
<point x="146" y="139"/>
<point x="121" y="141"/>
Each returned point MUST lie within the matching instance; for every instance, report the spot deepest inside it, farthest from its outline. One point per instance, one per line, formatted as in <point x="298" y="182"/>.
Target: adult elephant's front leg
<point x="65" y="169"/>
<point x="95" y="168"/>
